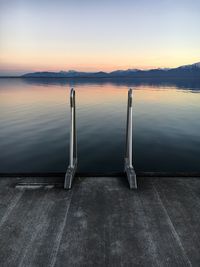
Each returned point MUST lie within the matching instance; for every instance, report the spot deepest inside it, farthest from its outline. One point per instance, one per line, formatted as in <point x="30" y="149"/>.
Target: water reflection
<point x="179" y="83"/>
<point x="34" y="124"/>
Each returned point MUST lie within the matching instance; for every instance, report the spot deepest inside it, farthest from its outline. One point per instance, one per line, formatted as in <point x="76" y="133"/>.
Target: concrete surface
<point x="100" y="222"/>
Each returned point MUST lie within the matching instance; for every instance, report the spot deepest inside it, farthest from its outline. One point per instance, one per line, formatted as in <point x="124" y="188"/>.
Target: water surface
<point x="34" y="125"/>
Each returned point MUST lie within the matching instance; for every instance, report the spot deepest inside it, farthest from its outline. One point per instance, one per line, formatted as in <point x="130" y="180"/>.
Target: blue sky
<point x="97" y="35"/>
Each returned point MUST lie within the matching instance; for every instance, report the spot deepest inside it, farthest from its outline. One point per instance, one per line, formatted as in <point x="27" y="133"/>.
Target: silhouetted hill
<point x="189" y="71"/>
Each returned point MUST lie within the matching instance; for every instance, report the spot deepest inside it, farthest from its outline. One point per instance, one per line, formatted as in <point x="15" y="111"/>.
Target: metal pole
<point x="127" y="129"/>
<point x="75" y="135"/>
<point x="131" y="175"/>
<point x="71" y="153"/>
<point x="70" y="174"/>
<point x="130" y="127"/>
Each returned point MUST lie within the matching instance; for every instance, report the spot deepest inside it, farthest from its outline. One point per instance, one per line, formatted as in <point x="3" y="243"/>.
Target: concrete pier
<point x="100" y="222"/>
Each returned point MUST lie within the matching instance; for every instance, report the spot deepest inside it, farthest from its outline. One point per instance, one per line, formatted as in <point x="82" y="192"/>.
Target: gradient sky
<point x="90" y="35"/>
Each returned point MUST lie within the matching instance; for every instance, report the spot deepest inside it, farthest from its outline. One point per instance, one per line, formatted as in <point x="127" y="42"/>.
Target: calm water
<point x="34" y="125"/>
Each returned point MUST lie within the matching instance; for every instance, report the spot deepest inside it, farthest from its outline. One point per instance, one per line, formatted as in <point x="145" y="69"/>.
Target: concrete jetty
<point x="100" y="222"/>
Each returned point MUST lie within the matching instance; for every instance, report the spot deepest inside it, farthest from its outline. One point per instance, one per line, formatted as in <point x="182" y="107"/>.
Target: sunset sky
<point x="90" y="35"/>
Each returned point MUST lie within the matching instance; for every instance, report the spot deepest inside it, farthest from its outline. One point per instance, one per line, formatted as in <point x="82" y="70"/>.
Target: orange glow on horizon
<point x="29" y="67"/>
<point x="23" y="61"/>
<point x="97" y="35"/>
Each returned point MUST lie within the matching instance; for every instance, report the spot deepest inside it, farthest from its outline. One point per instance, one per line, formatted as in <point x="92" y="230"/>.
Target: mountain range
<point x="189" y="71"/>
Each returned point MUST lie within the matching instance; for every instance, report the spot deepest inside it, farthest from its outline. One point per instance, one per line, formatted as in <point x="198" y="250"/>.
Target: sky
<point x="91" y="35"/>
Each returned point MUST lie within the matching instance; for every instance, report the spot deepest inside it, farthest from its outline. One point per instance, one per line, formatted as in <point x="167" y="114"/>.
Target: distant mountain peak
<point x="192" y="70"/>
<point x="195" y="65"/>
<point x="132" y="70"/>
<point x="72" y="71"/>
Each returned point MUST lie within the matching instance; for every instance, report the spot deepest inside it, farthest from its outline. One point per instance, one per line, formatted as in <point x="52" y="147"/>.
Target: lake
<point x="35" y="116"/>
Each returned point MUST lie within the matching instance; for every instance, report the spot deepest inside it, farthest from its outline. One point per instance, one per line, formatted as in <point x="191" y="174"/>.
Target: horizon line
<point x="97" y="71"/>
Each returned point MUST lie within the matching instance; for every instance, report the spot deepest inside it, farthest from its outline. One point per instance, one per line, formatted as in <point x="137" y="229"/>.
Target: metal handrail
<point x="128" y="165"/>
<point x="69" y="176"/>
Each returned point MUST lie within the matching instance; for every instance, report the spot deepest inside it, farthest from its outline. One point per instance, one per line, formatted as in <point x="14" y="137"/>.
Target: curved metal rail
<point x="69" y="176"/>
<point x="128" y="165"/>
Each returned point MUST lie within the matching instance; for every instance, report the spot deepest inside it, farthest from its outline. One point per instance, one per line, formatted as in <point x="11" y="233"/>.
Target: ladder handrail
<point x="130" y="172"/>
<point x="69" y="176"/>
<point x="128" y="166"/>
<point x="129" y="127"/>
<point x="73" y="138"/>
